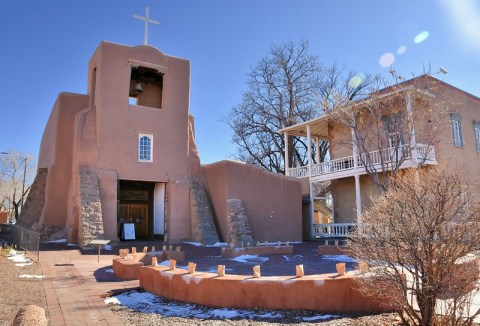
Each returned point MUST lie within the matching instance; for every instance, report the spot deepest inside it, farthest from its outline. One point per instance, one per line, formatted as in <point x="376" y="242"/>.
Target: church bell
<point x="138" y="88"/>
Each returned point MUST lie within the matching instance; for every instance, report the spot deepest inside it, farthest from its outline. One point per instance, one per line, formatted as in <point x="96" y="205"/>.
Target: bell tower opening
<point x="146" y="87"/>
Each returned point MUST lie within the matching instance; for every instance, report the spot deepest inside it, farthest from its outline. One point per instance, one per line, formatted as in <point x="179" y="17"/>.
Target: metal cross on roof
<point x="147" y="20"/>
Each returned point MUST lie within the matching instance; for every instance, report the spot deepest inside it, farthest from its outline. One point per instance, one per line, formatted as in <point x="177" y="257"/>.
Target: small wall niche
<point x="146" y="87"/>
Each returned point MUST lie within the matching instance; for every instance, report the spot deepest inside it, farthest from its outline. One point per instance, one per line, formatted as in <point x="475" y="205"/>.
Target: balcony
<point x="345" y="167"/>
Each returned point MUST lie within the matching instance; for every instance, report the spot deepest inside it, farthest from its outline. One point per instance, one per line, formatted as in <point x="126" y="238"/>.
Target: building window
<point x="457" y="130"/>
<point x="145" y="148"/>
<point x="393" y="132"/>
<point x="476" y="129"/>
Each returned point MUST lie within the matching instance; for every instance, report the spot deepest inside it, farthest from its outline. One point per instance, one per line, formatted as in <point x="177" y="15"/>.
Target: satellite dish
<point x="443" y="70"/>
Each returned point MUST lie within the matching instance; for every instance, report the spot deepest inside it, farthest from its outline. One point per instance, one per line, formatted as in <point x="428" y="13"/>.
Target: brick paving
<point x="74" y="285"/>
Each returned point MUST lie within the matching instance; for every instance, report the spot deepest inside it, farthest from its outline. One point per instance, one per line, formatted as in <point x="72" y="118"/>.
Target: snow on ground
<point x="294" y="257"/>
<point x="109" y="270"/>
<point x="250" y="259"/>
<point x="339" y="258"/>
<point x="146" y="302"/>
<point x="107" y="247"/>
<point x="23" y="264"/>
<point x="216" y="244"/>
<point x="31" y="276"/>
<point x="56" y="241"/>
<point x="319" y="317"/>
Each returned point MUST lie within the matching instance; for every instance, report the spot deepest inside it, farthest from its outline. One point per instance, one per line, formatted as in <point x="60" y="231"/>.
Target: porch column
<point x="287" y="163"/>
<point x="312" y="197"/>
<point x="411" y="126"/>
<point x="358" y="199"/>
<point x="309" y="151"/>
<point x="317" y="150"/>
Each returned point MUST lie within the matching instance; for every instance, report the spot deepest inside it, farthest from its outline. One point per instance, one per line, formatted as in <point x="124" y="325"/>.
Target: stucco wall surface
<point x="273" y="202"/>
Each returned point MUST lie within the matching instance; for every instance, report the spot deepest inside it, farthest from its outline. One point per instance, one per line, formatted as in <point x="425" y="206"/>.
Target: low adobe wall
<point x="323" y="293"/>
<point x="334" y="250"/>
<point x="265" y="250"/>
<point x="128" y="269"/>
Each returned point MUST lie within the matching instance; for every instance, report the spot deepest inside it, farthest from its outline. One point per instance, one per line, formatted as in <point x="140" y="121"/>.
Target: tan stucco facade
<point x="96" y="175"/>
<point x="445" y="100"/>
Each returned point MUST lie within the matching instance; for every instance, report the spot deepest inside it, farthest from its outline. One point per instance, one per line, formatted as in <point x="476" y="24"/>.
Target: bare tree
<point x="286" y="87"/>
<point x="421" y="239"/>
<point x="398" y="123"/>
<point x="14" y="169"/>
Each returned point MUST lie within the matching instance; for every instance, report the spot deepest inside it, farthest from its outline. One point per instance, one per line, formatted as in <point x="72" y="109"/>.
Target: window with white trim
<point x="476" y="129"/>
<point x="145" y="148"/>
<point x="457" y="129"/>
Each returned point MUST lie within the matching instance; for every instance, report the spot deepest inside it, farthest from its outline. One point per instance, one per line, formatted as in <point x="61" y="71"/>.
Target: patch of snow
<point x="30" y="276"/>
<point x="56" y="241"/>
<point x="72" y="245"/>
<point x="164" y="263"/>
<point x="196" y="244"/>
<point x="270" y="315"/>
<point x="109" y="270"/>
<point x="107" y="247"/>
<point x="218" y="244"/>
<point x="146" y="302"/>
<point x="19" y="258"/>
<point x="294" y="257"/>
<point x="224" y="313"/>
<point x="23" y="264"/>
<point x="319" y="317"/>
<point x="250" y="259"/>
<point x="339" y="258"/>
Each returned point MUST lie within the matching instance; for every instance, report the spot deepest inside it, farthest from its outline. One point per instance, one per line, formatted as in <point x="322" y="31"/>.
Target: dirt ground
<point x="16" y="292"/>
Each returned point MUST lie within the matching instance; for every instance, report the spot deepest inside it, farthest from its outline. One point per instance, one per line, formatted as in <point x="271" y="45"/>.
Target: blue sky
<point x="46" y="46"/>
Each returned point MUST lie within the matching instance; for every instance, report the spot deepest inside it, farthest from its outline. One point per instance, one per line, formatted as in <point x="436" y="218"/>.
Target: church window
<point x="146" y="87"/>
<point x="145" y="148"/>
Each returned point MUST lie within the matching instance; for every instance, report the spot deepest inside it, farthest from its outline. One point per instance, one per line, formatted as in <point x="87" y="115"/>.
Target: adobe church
<point x="125" y="154"/>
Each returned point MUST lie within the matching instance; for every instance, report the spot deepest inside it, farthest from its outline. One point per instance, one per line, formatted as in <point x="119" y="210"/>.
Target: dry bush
<point x="421" y="239"/>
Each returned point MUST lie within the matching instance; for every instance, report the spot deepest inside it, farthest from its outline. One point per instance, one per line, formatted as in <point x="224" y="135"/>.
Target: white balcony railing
<point x="334" y="229"/>
<point x="345" y="166"/>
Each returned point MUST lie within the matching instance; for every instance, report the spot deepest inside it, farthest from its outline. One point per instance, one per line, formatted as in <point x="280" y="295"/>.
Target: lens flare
<point x="356" y="80"/>
<point x="401" y="50"/>
<point x="387" y="59"/>
<point x="421" y="37"/>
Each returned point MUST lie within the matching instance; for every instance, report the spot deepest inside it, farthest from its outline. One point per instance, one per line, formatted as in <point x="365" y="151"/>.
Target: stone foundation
<point x="203" y="228"/>
<point x="238" y="227"/>
<point x="91" y="222"/>
<point x="33" y="206"/>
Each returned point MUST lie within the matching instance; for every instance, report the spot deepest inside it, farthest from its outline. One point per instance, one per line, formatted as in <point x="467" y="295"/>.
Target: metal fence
<point x="22" y="238"/>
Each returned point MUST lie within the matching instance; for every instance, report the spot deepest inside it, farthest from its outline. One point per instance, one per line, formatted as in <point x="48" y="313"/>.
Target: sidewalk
<point x="74" y="284"/>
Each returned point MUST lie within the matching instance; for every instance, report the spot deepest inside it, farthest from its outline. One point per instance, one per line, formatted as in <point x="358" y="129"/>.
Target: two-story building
<point x="420" y="122"/>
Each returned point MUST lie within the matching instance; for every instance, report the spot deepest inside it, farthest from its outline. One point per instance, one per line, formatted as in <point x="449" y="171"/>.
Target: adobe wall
<point x="322" y="293"/>
<point x="273" y="202"/>
<point x="56" y="156"/>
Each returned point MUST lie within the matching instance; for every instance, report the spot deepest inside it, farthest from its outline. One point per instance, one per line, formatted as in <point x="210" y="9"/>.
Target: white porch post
<point x="358" y="197"/>
<point x="312" y="198"/>
<point x="317" y="150"/>
<point x="287" y="163"/>
<point x="411" y="126"/>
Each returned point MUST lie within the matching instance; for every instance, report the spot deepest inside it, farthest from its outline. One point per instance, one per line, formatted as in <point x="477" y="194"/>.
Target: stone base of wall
<point x="91" y="222"/>
<point x="238" y="228"/>
<point x="203" y="228"/>
<point x="263" y="250"/>
<point x="33" y="206"/>
<point x="323" y="293"/>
